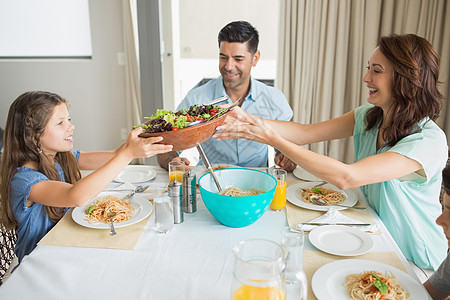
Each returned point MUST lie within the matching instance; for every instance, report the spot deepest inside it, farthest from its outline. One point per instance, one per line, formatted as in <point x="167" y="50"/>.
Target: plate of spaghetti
<point x="128" y="212"/>
<point x="354" y="279"/>
<point x="300" y="193"/>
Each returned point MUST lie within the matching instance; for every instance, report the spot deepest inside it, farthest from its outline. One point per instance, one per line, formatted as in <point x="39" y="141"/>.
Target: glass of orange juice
<point x="279" y="198"/>
<point x="176" y="170"/>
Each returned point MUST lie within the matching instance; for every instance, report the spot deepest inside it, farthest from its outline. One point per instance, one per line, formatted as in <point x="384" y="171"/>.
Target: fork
<point x="139" y="189"/>
<point x="320" y="184"/>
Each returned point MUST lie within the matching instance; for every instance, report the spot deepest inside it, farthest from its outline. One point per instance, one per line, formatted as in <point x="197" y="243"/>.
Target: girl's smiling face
<point x="57" y="136"/>
<point x="379" y="79"/>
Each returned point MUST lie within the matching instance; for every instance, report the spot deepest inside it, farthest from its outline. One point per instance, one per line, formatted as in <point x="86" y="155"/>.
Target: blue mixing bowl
<point x="237" y="211"/>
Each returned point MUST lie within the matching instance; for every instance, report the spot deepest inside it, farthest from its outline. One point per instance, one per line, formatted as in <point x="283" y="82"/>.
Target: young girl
<point x="400" y="152"/>
<point x="40" y="172"/>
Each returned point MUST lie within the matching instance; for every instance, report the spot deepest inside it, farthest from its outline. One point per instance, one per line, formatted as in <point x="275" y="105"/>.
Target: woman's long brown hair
<point x="27" y="118"/>
<point x="414" y="89"/>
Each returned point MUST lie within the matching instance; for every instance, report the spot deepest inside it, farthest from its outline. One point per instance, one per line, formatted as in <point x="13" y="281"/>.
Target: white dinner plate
<point x="302" y="174"/>
<point x="328" y="282"/>
<point x="340" y="240"/>
<point x="135" y="174"/>
<point x="142" y="208"/>
<point x="294" y="196"/>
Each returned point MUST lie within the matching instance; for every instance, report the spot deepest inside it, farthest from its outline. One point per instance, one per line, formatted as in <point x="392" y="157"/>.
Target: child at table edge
<point x="40" y="172"/>
<point x="438" y="285"/>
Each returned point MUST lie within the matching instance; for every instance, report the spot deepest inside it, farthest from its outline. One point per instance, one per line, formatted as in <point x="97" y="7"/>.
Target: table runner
<point x="313" y="260"/>
<point x="296" y="215"/>
<point x="68" y="233"/>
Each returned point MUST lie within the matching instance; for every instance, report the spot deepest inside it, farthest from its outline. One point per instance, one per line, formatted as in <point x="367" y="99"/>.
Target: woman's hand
<point x="240" y="124"/>
<point x="138" y="147"/>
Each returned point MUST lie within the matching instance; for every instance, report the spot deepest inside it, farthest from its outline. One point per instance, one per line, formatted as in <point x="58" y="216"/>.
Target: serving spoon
<point x="322" y="202"/>
<point x="111" y="215"/>
<point x="238" y="102"/>
<point x="208" y="166"/>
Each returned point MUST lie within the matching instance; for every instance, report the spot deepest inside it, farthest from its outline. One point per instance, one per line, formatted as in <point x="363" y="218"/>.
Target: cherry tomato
<point x="200" y="118"/>
<point x="188" y="118"/>
<point x="194" y="117"/>
<point x="174" y="128"/>
<point x="212" y="112"/>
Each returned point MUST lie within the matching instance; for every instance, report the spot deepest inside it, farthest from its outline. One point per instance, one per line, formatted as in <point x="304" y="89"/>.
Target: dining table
<point x="194" y="260"/>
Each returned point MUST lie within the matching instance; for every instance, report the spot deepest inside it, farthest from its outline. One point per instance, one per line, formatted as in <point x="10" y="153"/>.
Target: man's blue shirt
<point x="262" y="100"/>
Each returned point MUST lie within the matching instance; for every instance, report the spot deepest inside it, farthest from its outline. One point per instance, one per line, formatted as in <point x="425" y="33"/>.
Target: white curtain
<point x="324" y="47"/>
<point x="132" y="83"/>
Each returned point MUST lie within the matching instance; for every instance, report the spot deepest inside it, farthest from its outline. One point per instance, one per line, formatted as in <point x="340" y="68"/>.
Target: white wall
<point x="95" y="88"/>
<point x="199" y="24"/>
<point x="201" y="21"/>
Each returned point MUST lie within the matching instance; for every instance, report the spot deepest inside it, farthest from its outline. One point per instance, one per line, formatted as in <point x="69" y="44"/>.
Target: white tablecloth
<point x="193" y="261"/>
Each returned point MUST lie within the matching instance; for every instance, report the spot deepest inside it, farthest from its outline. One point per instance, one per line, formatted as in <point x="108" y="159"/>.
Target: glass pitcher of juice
<point x="279" y="198"/>
<point x="258" y="271"/>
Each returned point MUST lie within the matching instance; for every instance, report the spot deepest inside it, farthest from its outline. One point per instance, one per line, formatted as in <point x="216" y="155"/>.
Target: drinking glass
<point x="163" y="214"/>
<point x="296" y="283"/>
<point x="279" y="198"/>
<point x="258" y="271"/>
<point x="176" y="170"/>
<point x="293" y="241"/>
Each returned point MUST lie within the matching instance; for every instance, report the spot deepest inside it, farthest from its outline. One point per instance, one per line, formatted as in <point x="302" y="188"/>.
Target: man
<point x="238" y="45"/>
<point x="438" y="285"/>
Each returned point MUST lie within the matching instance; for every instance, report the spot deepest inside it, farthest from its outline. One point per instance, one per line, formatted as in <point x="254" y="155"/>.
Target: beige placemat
<point x="313" y="260"/>
<point x="296" y="215"/>
<point x="68" y="233"/>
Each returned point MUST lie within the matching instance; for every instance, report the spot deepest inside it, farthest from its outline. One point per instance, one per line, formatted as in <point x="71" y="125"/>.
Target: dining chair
<point x="8" y="240"/>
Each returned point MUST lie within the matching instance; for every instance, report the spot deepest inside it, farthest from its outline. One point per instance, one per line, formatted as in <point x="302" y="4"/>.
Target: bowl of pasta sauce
<point x="247" y="194"/>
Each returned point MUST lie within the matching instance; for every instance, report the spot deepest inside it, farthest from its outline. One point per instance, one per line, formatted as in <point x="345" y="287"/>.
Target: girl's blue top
<point x="33" y="222"/>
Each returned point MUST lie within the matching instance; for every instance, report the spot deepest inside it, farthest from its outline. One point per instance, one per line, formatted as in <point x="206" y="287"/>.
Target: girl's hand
<point x="240" y="124"/>
<point x="144" y="147"/>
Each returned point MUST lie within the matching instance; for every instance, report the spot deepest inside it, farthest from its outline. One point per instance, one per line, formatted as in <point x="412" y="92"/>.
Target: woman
<point x="40" y="172"/>
<point x="400" y="152"/>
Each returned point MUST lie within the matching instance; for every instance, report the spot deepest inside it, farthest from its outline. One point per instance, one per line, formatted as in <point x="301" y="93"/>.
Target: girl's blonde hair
<point x="27" y="119"/>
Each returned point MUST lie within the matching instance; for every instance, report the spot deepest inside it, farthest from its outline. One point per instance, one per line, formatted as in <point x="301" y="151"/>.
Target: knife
<point x="346" y="224"/>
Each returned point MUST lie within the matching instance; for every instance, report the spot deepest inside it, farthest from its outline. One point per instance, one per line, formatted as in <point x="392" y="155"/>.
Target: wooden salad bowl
<point x="188" y="137"/>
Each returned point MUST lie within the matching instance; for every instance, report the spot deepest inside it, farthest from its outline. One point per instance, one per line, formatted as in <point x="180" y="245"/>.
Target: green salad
<point x="166" y="120"/>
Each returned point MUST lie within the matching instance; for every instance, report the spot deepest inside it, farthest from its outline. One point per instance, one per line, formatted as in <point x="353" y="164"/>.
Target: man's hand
<point x="284" y="162"/>
<point x="186" y="162"/>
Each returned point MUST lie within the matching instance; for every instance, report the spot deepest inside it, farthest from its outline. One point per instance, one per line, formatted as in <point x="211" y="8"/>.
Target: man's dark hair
<point x="240" y="32"/>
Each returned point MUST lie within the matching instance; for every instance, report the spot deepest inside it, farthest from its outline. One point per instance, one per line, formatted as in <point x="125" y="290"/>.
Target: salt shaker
<point x="163" y="214"/>
<point x="177" y="201"/>
<point x="189" y="193"/>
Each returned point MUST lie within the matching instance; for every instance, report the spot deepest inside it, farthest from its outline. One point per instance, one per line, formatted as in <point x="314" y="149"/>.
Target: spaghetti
<point x="98" y="210"/>
<point x="236" y="192"/>
<point x="329" y="195"/>
<point x="373" y="285"/>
